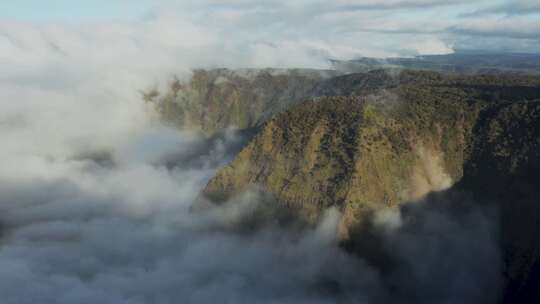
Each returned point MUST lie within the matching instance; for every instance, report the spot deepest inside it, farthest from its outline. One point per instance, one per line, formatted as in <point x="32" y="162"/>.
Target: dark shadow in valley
<point x="444" y="250"/>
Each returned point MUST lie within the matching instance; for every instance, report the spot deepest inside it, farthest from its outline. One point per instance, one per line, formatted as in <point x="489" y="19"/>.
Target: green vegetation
<point x="408" y="135"/>
<point x="216" y="99"/>
<point x="362" y="142"/>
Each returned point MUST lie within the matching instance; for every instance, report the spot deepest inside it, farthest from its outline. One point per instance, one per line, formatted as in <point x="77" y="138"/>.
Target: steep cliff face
<point x="393" y="139"/>
<point x="359" y="153"/>
<point x="504" y="170"/>
<point x="384" y="145"/>
<point x="220" y="98"/>
<point x="216" y="99"/>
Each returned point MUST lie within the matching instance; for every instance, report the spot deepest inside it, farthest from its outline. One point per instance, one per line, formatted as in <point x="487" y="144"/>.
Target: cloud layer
<point x="175" y="36"/>
<point x="121" y="232"/>
<point x="95" y="194"/>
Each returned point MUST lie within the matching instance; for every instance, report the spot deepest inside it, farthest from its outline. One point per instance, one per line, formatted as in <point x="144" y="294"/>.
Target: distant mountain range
<point x="470" y="62"/>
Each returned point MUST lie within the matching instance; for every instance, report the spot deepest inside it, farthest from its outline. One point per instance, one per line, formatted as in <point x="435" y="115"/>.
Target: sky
<point x="34" y="10"/>
<point x="341" y="29"/>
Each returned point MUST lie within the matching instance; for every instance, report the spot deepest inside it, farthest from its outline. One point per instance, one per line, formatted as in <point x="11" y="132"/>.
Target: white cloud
<point x="514" y="7"/>
<point x="497" y="26"/>
<point x="89" y="210"/>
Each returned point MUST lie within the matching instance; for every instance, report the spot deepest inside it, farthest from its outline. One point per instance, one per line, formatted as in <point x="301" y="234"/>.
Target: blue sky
<point x="72" y="10"/>
<point x="42" y="10"/>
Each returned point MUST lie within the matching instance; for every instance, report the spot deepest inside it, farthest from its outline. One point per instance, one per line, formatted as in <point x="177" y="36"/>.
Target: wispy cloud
<point x="512" y="7"/>
<point x="514" y="27"/>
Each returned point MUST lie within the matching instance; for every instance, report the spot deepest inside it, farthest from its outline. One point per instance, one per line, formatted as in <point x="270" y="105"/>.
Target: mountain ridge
<point x="366" y="142"/>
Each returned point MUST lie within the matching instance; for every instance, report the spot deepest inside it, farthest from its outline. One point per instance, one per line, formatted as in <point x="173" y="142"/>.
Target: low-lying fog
<point x="94" y="228"/>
